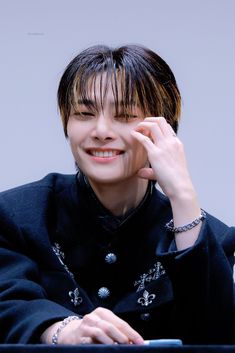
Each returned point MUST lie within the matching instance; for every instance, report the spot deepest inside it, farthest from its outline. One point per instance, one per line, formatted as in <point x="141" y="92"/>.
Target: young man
<point x="103" y="256"/>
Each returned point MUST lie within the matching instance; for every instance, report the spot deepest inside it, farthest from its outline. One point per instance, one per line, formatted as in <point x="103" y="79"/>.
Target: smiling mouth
<point x="104" y="153"/>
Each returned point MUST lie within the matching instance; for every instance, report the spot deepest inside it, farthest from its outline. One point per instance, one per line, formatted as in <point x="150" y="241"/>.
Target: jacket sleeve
<point x="202" y="281"/>
<point x="25" y="310"/>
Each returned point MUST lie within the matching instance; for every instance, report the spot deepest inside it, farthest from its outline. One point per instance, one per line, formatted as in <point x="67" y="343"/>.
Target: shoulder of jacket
<point x="36" y="191"/>
<point x="50" y="181"/>
<point x="225" y="234"/>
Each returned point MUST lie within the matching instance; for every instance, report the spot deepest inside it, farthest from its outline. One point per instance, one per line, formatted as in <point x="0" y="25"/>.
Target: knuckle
<point x="179" y="145"/>
<point x="174" y="143"/>
<point x="88" y="319"/>
<point x="123" y="325"/>
<point x="108" y="328"/>
<point x="100" y="310"/>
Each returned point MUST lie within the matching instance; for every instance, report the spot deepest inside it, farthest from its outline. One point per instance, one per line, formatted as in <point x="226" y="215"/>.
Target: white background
<point x="196" y="38"/>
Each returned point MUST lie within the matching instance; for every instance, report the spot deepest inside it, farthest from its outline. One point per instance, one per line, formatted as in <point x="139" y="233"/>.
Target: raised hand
<point x="166" y="156"/>
<point x="169" y="168"/>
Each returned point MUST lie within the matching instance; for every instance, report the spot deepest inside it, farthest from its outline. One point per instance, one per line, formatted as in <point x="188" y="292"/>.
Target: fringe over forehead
<point x="137" y="75"/>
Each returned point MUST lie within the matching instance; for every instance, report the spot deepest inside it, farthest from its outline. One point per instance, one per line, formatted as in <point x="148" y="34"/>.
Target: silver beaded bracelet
<point x="65" y="322"/>
<point x="171" y="228"/>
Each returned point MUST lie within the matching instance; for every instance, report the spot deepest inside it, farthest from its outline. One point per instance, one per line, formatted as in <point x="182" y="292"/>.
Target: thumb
<point x="147" y="173"/>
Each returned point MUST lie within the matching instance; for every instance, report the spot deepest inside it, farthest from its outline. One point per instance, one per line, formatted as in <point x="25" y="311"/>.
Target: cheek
<point x="73" y="139"/>
<point x="140" y="156"/>
<point x="136" y="146"/>
<point x="75" y="134"/>
<point x="69" y="127"/>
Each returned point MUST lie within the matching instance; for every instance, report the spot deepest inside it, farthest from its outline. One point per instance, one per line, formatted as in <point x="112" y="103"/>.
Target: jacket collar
<point x="78" y="210"/>
<point x="103" y="216"/>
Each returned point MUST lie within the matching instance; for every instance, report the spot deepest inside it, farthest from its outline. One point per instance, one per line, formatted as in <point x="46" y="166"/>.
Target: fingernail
<point x="139" y="341"/>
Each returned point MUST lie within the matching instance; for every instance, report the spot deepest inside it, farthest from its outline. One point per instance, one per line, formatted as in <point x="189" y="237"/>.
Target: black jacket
<point x="54" y="240"/>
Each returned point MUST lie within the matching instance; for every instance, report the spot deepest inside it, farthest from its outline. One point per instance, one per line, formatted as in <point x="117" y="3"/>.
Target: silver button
<point x="103" y="292"/>
<point x="145" y="316"/>
<point x="110" y="258"/>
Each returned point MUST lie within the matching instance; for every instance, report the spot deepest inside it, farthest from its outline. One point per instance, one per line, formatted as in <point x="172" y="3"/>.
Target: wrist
<point x="186" y="227"/>
<point x="182" y="194"/>
<point x="61" y="326"/>
<point x="185" y="208"/>
<point x="46" y="336"/>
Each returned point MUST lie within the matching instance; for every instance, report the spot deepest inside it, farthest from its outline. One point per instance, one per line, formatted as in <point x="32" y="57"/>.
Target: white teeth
<point x="104" y="154"/>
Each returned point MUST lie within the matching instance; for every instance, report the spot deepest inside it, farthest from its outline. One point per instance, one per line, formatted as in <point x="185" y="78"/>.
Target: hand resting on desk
<point x="99" y="326"/>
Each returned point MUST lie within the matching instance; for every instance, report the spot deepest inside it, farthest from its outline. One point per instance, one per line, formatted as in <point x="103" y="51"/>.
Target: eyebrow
<point x="85" y="102"/>
<point x="90" y="102"/>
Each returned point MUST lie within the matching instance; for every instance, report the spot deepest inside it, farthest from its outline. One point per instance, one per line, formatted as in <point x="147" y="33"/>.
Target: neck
<point x="121" y="197"/>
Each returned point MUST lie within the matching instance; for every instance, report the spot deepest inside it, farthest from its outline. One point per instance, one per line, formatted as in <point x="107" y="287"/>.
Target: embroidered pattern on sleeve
<point x="152" y="275"/>
<point x="74" y="295"/>
<point x="146" y="299"/>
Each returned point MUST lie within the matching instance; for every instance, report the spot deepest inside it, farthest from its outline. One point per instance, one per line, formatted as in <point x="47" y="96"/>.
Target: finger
<point x="166" y="128"/>
<point x="154" y="119"/>
<point x="101" y="331"/>
<point x="144" y="140"/>
<point x="113" y="332"/>
<point x="133" y="336"/>
<point x="150" y="129"/>
<point x="85" y="340"/>
<point x="174" y="134"/>
<point x="120" y="324"/>
<point x="97" y="335"/>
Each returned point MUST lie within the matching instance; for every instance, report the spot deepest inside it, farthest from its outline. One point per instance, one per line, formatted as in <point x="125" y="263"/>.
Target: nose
<point x="103" y="129"/>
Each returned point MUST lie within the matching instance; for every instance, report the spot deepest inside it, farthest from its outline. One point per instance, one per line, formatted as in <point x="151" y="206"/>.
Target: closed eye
<point x="83" y="114"/>
<point x="125" y="116"/>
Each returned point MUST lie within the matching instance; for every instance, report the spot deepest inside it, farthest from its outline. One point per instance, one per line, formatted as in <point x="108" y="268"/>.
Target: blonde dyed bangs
<point x="137" y="77"/>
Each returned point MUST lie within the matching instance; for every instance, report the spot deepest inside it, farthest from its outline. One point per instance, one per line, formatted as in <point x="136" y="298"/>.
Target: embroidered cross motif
<point x="74" y="295"/>
<point x="152" y="275"/>
<point x="75" y="298"/>
<point x="60" y="254"/>
<point x="146" y="299"/>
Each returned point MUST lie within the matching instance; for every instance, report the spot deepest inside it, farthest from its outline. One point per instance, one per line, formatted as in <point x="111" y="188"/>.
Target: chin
<point x="105" y="180"/>
<point x="111" y="179"/>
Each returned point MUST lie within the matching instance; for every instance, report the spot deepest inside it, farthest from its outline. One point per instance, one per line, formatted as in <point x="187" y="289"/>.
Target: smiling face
<point x="114" y="89"/>
<point x="101" y="141"/>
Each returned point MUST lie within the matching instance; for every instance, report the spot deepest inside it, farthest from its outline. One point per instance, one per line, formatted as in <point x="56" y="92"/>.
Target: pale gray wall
<point x="197" y="39"/>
